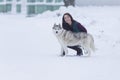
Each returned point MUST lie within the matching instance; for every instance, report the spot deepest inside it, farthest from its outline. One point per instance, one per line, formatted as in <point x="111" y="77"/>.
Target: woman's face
<point x="67" y="19"/>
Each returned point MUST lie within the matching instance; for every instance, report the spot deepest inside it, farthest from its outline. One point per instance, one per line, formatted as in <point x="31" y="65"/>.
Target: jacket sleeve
<point x="82" y="28"/>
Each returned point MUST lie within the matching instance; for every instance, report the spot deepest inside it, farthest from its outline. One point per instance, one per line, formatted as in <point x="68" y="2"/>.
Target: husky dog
<point x="68" y="38"/>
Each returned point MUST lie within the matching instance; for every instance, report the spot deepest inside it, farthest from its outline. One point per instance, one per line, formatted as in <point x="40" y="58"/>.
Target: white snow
<point x="30" y="51"/>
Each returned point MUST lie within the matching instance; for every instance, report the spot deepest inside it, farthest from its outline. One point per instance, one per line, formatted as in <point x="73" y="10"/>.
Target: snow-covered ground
<point x="30" y="51"/>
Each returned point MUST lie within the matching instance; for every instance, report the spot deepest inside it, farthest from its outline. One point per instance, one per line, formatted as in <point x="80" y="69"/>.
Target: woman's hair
<point x="63" y="20"/>
<point x="66" y="25"/>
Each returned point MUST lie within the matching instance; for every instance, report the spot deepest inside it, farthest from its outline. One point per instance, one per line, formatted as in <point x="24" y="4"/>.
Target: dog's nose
<point x="56" y="31"/>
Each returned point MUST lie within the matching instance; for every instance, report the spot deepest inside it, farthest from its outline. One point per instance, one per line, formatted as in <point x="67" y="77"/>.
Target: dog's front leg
<point x="65" y="51"/>
<point x="62" y="51"/>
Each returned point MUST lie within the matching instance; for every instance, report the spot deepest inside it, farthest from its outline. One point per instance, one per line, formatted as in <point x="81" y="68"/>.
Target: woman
<point x="69" y="24"/>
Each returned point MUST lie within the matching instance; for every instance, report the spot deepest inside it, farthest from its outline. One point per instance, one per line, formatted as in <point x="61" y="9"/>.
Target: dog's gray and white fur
<point x="68" y="38"/>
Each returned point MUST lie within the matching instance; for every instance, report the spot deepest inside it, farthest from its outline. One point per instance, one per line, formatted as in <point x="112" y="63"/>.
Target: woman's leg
<point x="78" y="49"/>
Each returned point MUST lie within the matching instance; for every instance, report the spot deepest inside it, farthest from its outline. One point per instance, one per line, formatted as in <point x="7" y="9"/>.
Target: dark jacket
<point x="75" y="27"/>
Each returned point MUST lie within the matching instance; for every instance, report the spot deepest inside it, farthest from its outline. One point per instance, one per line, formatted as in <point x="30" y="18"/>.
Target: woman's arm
<point x="82" y="28"/>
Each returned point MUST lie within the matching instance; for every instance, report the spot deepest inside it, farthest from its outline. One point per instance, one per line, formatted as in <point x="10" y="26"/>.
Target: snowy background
<point x="30" y="51"/>
<point x="97" y="2"/>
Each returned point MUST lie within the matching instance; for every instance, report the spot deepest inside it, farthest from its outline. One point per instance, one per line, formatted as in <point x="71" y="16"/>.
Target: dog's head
<point x="57" y="29"/>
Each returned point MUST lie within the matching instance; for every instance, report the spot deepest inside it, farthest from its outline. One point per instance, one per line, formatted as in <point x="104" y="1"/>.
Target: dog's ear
<point x="59" y="25"/>
<point x="54" y="25"/>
